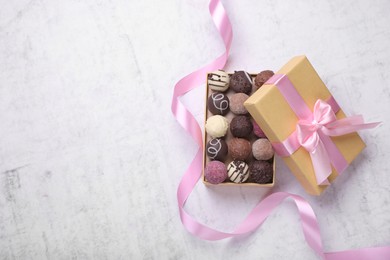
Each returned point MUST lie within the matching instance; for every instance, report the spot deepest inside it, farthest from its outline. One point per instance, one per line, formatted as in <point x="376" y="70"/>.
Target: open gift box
<point x="287" y="107"/>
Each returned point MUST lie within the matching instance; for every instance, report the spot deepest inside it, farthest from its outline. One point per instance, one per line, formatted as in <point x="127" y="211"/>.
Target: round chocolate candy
<point x="262" y="77"/>
<point x="238" y="171"/>
<point x="217" y="149"/>
<point x="241" y="126"/>
<point x="217" y="126"/>
<point x="241" y="82"/>
<point x="261" y="172"/>
<point x="237" y="103"/>
<point x="262" y="149"/>
<point x="218" y="104"/>
<point x="218" y="81"/>
<point x="215" y="172"/>
<point x="239" y="148"/>
<point x="257" y="130"/>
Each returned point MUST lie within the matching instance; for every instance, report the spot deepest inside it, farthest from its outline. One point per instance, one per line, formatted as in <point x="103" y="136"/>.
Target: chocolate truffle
<point x="218" y="104"/>
<point x="262" y="149"/>
<point x="262" y="77"/>
<point x="261" y="172"/>
<point x="218" y="80"/>
<point x="241" y="126"/>
<point x="257" y="130"/>
<point x="241" y="82"/>
<point x="215" y="172"/>
<point x="217" y="149"/>
<point x="217" y="126"/>
<point x="238" y="171"/>
<point x="239" y="148"/>
<point x="237" y="103"/>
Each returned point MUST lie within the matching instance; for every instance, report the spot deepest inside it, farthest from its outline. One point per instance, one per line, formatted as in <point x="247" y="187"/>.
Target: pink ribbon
<point x="257" y="216"/>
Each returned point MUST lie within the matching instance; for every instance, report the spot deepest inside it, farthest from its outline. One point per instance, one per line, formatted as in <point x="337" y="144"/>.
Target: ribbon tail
<point x="348" y="125"/>
<point x="321" y="164"/>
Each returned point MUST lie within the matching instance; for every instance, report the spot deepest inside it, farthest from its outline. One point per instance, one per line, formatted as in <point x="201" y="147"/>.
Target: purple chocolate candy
<point x="257" y="130"/>
<point x="215" y="172"/>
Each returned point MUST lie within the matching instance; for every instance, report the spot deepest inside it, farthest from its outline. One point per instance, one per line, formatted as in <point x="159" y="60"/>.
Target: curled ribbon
<point x="257" y="216"/>
<point x="313" y="136"/>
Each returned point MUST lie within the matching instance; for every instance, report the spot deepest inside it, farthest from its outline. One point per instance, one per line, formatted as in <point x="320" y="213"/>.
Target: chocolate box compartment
<point x="229" y="136"/>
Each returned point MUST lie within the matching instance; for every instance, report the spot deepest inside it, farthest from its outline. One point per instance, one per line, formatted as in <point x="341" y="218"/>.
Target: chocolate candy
<point x="262" y="149"/>
<point x="257" y="130"/>
<point x="241" y="82"/>
<point x="239" y="148"/>
<point x="215" y="172"/>
<point x="217" y="149"/>
<point x="241" y="126"/>
<point x="217" y="126"/>
<point x="218" y="81"/>
<point x="218" y="104"/>
<point x="262" y="77"/>
<point x="238" y="171"/>
<point x="237" y="103"/>
<point x="261" y="172"/>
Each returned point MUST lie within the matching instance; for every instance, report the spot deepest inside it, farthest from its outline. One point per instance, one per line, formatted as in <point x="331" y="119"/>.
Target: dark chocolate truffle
<point x="215" y="172"/>
<point x="239" y="148"/>
<point x="218" y="104"/>
<point x="262" y="77"/>
<point x="237" y="103"/>
<point x="241" y="126"/>
<point x="241" y="82"/>
<point x="261" y="172"/>
<point x="238" y="171"/>
<point x="217" y="149"/>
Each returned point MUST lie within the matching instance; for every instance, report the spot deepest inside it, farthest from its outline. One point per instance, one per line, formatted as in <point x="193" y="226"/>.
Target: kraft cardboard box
<point x="278" y="121"/>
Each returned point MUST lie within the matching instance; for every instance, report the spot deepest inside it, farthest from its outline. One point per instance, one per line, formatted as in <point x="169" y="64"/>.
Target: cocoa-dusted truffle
<point x="237" y="103"/>
<point x="241" y="126"/>
<point x="239" y="148"/>
<point x="215" y="172"/>
<point x="238" y="171"/>
<point x="261" y="172"/>
<point x="217" y="149"/>
<point x="262" y="149"/>
<point x="262" y="77"/>
<point x="241" y="82"/>
<point x="218" y="104"/>
<point x="217" y="126"/>
<point x="257" y="130"/>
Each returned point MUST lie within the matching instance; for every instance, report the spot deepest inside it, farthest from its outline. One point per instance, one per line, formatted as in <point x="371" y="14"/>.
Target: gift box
<point x="227" y="138"/>
<point x="292" y="108"/>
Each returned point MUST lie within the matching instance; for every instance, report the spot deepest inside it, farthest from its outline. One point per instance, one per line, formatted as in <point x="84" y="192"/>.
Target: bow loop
<point x="323" y="113"/>
<point x="307" y="135"/>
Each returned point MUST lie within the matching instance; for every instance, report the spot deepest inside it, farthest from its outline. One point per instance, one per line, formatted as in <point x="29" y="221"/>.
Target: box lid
<point x="272" y="112"/>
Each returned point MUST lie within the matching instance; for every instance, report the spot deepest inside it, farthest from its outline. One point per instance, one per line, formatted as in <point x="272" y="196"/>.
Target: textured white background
<point x="90" y="155"/>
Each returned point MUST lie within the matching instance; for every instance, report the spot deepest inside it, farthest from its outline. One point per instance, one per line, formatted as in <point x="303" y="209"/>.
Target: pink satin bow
<point x="314" y="136"/>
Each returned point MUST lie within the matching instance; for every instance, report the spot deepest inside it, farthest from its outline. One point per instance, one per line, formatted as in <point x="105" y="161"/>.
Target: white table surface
<point x="91" y="157"/>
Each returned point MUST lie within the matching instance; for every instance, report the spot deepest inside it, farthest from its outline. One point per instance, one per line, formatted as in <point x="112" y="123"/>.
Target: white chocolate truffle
<point x="262" y="149"/>
<point x="217" y="126"/>
<point x="218" y="80"/>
